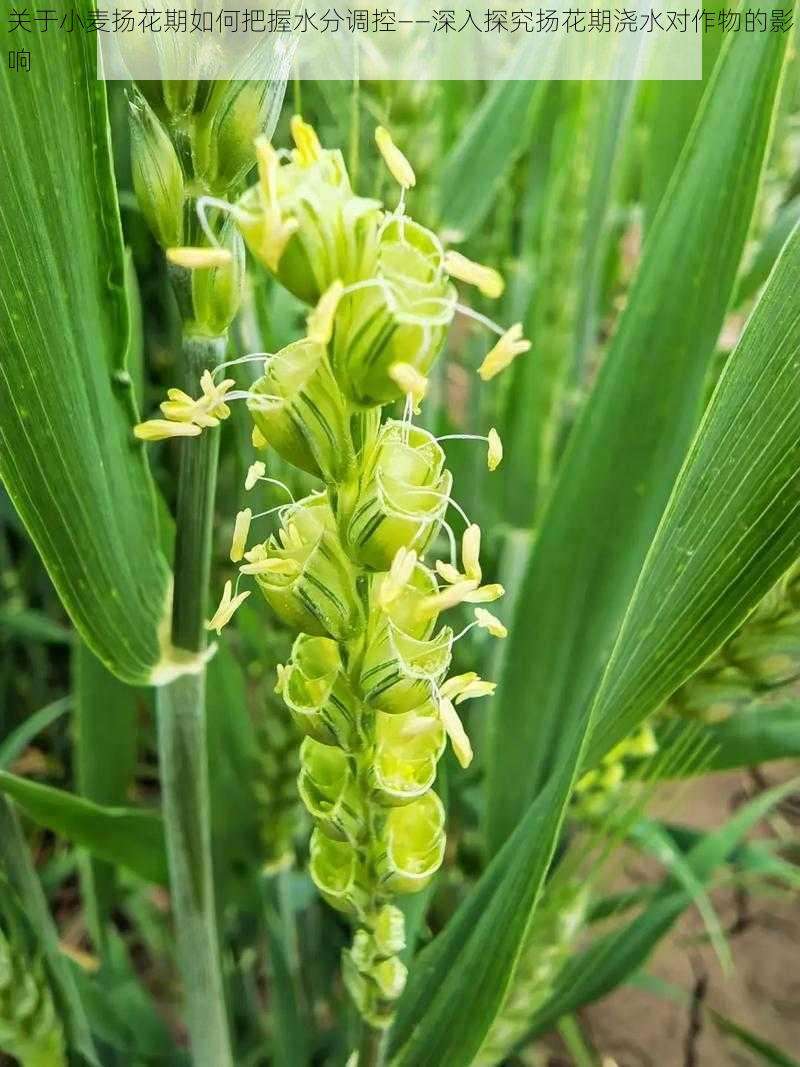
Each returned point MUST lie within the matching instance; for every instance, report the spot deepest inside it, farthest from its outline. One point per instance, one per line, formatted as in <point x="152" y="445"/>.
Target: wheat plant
<point x="282" y="500"/>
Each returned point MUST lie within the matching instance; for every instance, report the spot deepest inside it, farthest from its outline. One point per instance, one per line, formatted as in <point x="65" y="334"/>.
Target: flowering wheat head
<point x="348" y="568"/>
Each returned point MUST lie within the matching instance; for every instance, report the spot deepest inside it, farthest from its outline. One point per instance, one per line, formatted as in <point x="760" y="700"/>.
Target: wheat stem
<point x="182" y="742"/>
<point x="197" y="479"/>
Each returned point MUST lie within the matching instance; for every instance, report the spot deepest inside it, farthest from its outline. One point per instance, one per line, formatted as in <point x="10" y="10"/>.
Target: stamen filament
<point x="462" y="437"/>
<point x="205" y="226"/>
<point x="254" y="357"/>
<point x="450" y="500"/>
<point x="465" y="631"/>
<point x="271" y="511"/>
<point x="280" y="484"/>
<point x="469" y="313"/>
<point x="248" y="394"/>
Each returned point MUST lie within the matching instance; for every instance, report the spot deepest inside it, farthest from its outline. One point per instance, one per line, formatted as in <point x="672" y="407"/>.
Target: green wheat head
<point x="30" y="1029"/>
<point x="366" y="681"/>
<point x="763" y="655"/>
<point x="551" y="939"/>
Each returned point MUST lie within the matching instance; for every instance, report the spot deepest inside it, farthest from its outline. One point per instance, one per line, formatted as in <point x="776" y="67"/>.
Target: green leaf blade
<point x="732" y="526"/>
<point x="130" y="837"/>
<point x="445" y="1013"/>
<point x="487" y="149"/>
<point x="67" y="455"/>
<point x="631" y="440"/>
<point x="755" y="735"/>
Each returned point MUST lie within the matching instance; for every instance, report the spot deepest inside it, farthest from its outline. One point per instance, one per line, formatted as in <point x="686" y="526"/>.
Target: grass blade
<point x="756" y="735"/>
<point x="445" y="1014"/>
<point x="628" y="446"/>
<point x="234" y="811"/>
<point x="134" y="839"/>
<point x="290" y="1020"/>
<point x="18" y="740"/>
<point x="481" y="159"/>
<point x="122" y="1013"/>
<point x="67" y="456"/>
<point x="669" y="110"/>
<point x="732" y="526"/>
<point x="765" y="1050"/>
<point x="536" y="401"/>
<point x="757" y="858"/>
<point x="656" y="841"/>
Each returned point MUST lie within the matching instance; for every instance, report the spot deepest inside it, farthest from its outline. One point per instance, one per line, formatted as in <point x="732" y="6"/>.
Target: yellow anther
<point x="403" y="564"/>
<point x="478" y="688"/>
<point x="473" y="592"/>
<point x="467" y="686"/>
<point x="456" y="732"/>
<point x="392" y="586"/>
<point x="486" y="279"/>
<point x="308" y="148"/>
<point x="418" y="726"/>
<point x="241" y="528"/>
<point x="448" y="572"/>
<point x="586" y="782"/>
<point x="455" y="685"/>
<point x="227" y="606"/>
<point x="643" y="743"/>
<point x="160" y="429"/>
<point x="257" y="438"/>
<point x="321" y="319"/>
<point x="510" y="345"/>
<point x="611" y="777"/>
<point x="287" y="568"/>
<point x="485" y="594"/>
<point x="446" y="598"/>
<point x="204" y="412"/>
<point x="277" y="233"/>
<point x="409" y="381"/>
<point x="290" y="536"/>
<point x="198" y="258"/>
<point x="495" y="455"/>
<point x="180" y="407"/>
<point x="490" y="622"/>
<point x="470" y="552"/>
<point x="254" y="472"/>
<point x="213" y="399"/>
<point x="397" y="164"/>
<point x="274" y="231"/>
<point x="210" y="389"/>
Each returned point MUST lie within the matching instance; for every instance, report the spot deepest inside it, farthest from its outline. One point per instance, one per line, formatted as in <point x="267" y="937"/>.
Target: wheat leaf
<point x="127" y="836"/>
<point x="629" y="444"/>
<point x="67" y="457"/>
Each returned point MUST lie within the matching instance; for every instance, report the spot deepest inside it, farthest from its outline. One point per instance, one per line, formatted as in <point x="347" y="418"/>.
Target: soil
<point x="634" y="1027"/>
